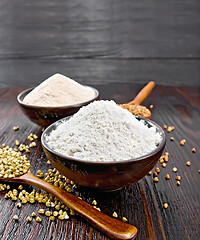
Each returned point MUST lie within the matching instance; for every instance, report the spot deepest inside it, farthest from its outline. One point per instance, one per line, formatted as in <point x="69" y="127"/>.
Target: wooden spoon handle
<point x="111" y="227"/>
<point x="143" y="94"/>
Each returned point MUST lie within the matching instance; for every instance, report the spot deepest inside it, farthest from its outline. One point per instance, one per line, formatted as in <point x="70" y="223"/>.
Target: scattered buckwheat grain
<point x="15" y="217"/>
<point x="167" y="177"/>
<point x="164" y="165"/>
<point x="115" y="214"/>
<point x="182" y="142"/>
<point x="155" y="179"/>
<point x="188" y="163"/>
<point x="193" y="150"/>
<point x="16" y="128"/>
<point x="178" y="183"/>
<point x="165" y="205"/>
<point x="28" y="219"/>
<point x="124" y="219"/>
<point x="170" y="128"/>
<point x="155" y="174"/>
<point x="38" y="219"/>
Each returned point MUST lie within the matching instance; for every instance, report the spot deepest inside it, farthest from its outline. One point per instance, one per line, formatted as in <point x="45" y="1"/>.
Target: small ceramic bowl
<point x="44" y="116"/>
<point x="106" y="176"/>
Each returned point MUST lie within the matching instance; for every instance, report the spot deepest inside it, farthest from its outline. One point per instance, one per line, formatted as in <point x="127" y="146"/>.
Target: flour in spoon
<point x="103" y="131"/>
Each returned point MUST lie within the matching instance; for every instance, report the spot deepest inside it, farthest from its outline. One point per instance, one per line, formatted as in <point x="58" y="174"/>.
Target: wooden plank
<point x="142" y="202"/>
<point x="101" y="71"/>
<point x="108" y="29"/>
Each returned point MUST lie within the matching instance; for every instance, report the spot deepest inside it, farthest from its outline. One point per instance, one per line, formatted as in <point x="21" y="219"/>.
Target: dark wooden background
<point x="98" y="42"/>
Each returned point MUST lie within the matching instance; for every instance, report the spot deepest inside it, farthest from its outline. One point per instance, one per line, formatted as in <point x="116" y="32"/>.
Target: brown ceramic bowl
<point x="44" y="116"/>
<point x="106" y="176"/>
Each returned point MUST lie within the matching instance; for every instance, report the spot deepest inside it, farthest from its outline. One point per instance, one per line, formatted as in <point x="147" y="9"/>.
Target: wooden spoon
<point x="134" y="106"/>
<point x="111" y="227"/>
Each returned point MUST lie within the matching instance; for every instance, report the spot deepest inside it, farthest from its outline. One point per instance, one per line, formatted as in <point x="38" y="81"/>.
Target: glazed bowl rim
<point x="113" y="163"/>
<point x="21" y="95"/>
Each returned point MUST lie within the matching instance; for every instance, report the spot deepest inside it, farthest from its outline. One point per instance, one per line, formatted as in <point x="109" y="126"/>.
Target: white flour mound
<point x="59" y="90"/>
<point x="103" y="131"/>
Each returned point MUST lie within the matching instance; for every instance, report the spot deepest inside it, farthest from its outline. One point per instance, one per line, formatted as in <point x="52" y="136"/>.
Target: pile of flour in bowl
<point x="103" y="131"/>
<point x="57" y="91"/>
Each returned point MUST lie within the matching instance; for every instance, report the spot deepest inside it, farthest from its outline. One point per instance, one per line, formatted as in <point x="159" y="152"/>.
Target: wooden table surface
<point x="141" y="203"/>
